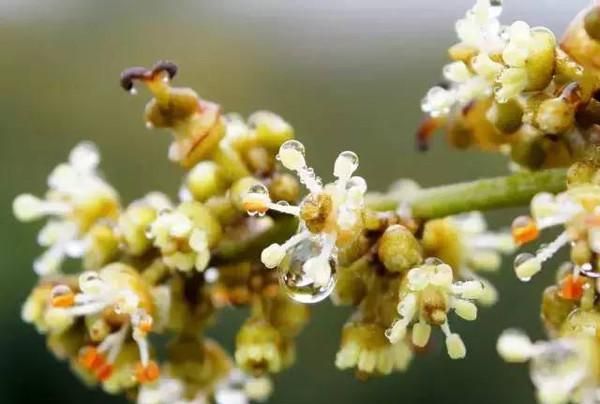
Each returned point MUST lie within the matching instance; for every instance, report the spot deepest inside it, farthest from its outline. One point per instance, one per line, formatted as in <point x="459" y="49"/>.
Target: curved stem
<point x="429" y="203"/>
<point x="484" y="194"/>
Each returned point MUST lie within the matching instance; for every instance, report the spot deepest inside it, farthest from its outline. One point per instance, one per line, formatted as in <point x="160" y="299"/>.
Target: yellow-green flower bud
<point x="398" y="249"/>
<point x="507" y="116"/>
<point x="591" y="23"/>
<point x="555" y="309"/>
<point x="284" y="187"/>
<point x="103" y="246"/>
<point x="270" y="129"/>
<point x="205" y="180"/>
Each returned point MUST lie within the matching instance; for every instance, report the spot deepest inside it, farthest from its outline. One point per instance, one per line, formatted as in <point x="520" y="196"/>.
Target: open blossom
<point x="116" y="291"/>
<point x="492" y="59"/>
<point x="525" y="46"/>
<point x="562" y="370"/>
<point x="78" y="197"/>
<point x="480" y="29"/>
<point x="330" y="215"/>
<point x="466" y="84"/>
<point x="184" y="236"/>
<point x="429" y="296"/>
<point x="577" y="210"/>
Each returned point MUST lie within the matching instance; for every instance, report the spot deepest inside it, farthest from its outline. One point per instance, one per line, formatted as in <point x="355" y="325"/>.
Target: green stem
<point x="429" y="203"/>
<point x="233" y="251"/>
<point x="484" y="194"/>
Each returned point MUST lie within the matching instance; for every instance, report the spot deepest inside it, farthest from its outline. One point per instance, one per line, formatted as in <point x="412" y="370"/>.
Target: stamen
<point x="62" y="296"/>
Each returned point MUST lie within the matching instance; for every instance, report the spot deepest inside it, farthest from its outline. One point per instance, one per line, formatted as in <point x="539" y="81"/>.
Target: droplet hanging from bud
<point x="526" y="265"/>
<point x="305" y="274"/>
<point x="291" y="155"/>
<point x="256" y="200"/>
<point x="345" y="165"/>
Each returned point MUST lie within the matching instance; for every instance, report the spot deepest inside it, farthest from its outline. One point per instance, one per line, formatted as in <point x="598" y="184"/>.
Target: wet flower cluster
<point x="516" y="89"/>
<point x="162" y="265"/>
<point x="563" y="369"/>
<point x="242" y="233"/>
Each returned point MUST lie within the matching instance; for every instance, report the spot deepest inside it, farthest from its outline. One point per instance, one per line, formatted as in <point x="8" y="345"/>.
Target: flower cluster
<point x="562" y="370"/>
<point x="78" y="199"/>
<point x="240" y="234"/>
<point x="515" y="89"/>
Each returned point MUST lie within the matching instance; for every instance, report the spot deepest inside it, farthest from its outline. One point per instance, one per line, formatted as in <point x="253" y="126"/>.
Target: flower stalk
<point x="484" y="194"/>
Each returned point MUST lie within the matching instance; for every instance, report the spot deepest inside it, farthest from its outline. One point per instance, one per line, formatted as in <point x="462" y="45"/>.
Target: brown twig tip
<point x="130" y="75"/>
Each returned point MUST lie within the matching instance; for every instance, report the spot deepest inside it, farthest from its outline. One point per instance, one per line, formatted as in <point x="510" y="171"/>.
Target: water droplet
<point x="60" y="290"/>
<point x="345" y="164"/>
<point x="90" y="282"/>
<point x="495" y="8"/>
<point x="357" y="183"/>
<point x="291" y="155"/>
<point x="518" y="265"/>
<point x="293" y="275"/>
<point x="133" y="91"/>
<point x="260" y="189"/>
<point x="61" y="296"/>
<point x="558" y="365"/>
<point x="292" y="145"/>
<point x="433" y="261"/>
<point x="149" y="125"/>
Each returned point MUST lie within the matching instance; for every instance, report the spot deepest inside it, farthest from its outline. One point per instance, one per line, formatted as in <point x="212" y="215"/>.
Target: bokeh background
<point x="347" y="74"/>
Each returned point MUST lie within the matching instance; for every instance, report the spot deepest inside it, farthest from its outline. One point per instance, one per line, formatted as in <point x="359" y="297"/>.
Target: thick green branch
<point x="429" y="203"/>
<point x="484" y="194"/>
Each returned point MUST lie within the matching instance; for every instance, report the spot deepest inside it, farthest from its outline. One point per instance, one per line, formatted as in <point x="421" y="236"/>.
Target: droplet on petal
<point x="495" y="8"/>
<point x="526" y="265"/>
<point x="90" y="282"/>
<point x="256" y="200"/>
<point x="345" y="165"/>
<point x="524" y="230"/>
<point x="291" y="155"/>
<point x="302" y="286"/>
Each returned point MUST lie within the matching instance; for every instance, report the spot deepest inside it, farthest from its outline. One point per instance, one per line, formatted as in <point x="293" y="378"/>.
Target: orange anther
<point x="90" y="358"/>
<point x="571" y="287"/>
<point x="62" y="296"/>
<point x="146" y="324"/>
<point x="148" y="373"/>
<point x="524" y="230"/>
<point x="255" y="206"/>
<point x="104" y="371"/>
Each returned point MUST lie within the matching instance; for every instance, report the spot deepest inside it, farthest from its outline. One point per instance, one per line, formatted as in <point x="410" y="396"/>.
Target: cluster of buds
<point x="515" y="89"/>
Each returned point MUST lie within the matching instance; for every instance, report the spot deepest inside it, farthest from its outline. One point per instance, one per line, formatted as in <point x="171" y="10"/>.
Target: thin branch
<point x="429" y="203"/>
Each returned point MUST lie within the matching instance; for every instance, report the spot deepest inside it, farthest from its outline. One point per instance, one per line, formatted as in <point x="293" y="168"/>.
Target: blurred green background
<point x="347" y="74"/>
